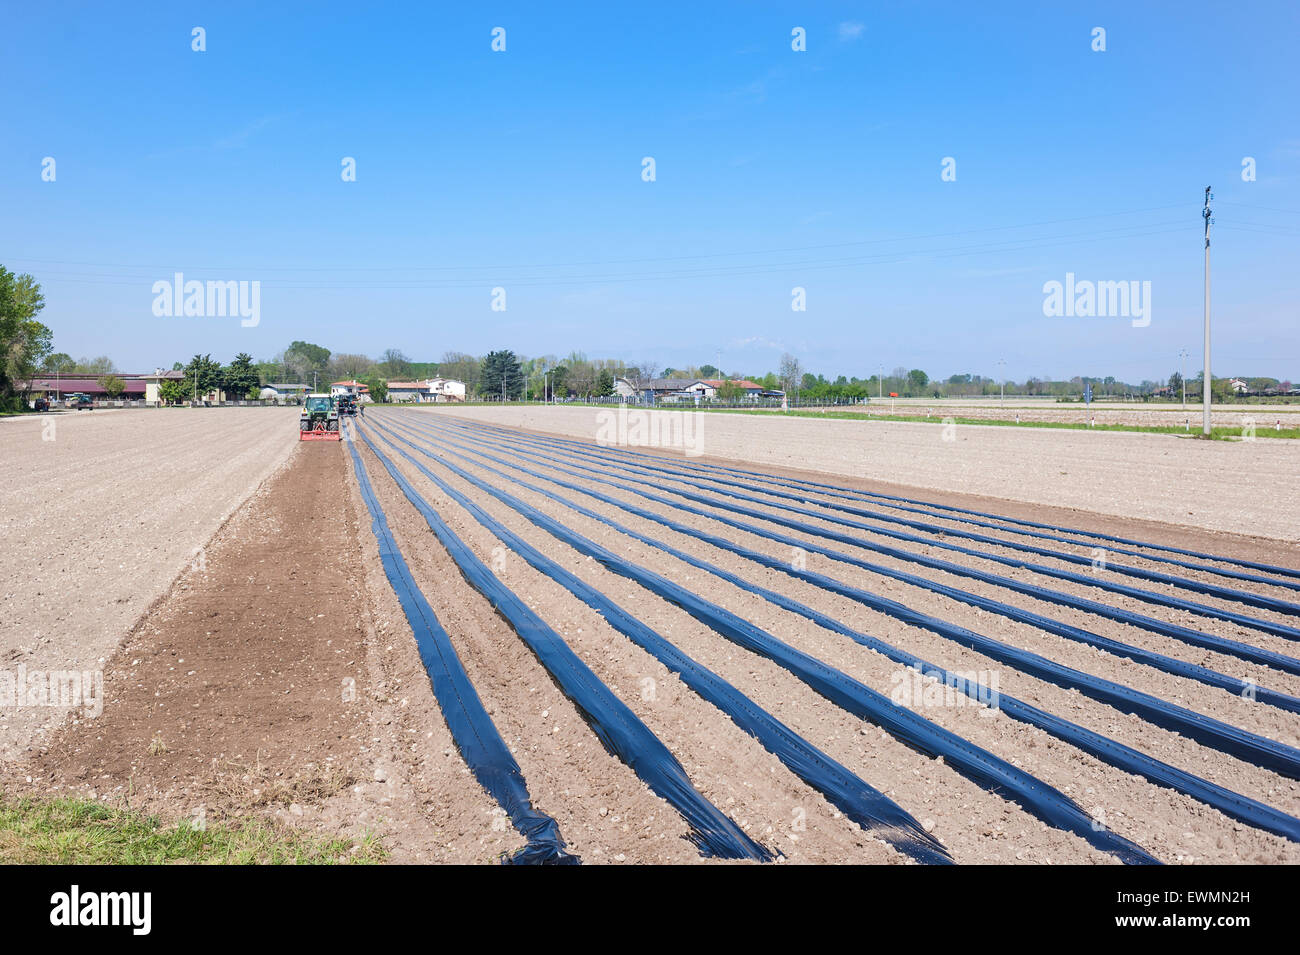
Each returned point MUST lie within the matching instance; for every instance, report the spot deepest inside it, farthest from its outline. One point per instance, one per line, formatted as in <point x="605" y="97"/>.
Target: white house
<point x="708" y="387"/>
<point x="361" y="391"/>
<point x="428" y="390"/>
<point x="446" y="389"/>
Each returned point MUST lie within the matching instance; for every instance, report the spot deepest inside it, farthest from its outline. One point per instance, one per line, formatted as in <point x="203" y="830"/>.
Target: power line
<point x="560" y="265"/>
<point x="1247" y="205"/>
<point x="883" y="258"/>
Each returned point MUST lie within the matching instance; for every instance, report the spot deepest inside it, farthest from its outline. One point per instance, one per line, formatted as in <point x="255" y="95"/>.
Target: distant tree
<point x="559" y="381"/>
<point x="112" y="385"/>
<point x="730" y="391"/>
<point x="348" y="367"/>
<point x="604" y="383"/>
<point x="101" y="365"/>
<point x="240" y="377"/>
<point x="270" y="372"/>
<point x="202" y="375"/>
<point x="461" y="367"/>
<point x="643" y="373"/>
<point x="709" y="371"/>
<point x="60" y="363"/>
<point x="303" y="360"/>
<point x="581" y="378"/>
<point x="916" y="381"/>
<point x="378" y="387"/>
<point x="394" y="364"/>
<point x="790" y="373"/>
<point x="24" y="342"/>
<point x="500" y="376"/>
<point x="174" y="390"/>
<point x="420" y="370"/>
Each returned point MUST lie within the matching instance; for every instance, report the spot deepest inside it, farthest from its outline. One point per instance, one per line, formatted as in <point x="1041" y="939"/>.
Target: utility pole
<point x="880" y="383"/>
<point x="1002" y="400"/>
<point x="1183" y="355"/>
<point x="1207" y="384"/>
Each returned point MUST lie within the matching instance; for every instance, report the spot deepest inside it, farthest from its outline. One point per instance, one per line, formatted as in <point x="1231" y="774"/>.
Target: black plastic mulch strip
<point x="860" y="802"/>
<point x="480" y="744"/>
<point x="1245" y="745"/>
<point x="620" y="731"/>
<point x="1178" y="603"/>
<point x="977" y="764"/>
<point x="1230" y="803"/>
<point x="835" y="490"/>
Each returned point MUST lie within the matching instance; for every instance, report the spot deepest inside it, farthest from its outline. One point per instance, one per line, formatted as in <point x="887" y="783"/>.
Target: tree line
<point x="26" y="350"/>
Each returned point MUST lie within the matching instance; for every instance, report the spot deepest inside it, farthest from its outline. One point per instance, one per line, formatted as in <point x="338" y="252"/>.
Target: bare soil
<point x="1183" y="829"/>
<point x="278" y="675"/>
<point x="99" y="513"/>
<point x="1238" y="487"/>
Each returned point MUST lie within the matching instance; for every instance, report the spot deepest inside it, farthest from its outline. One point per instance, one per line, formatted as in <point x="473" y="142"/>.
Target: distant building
<point x="1238" y="386"/>
<point x="707" y="388"/>
<point x="427" y="391"/>
<point x="354" y="387"/>
<point x="406" y="390"/>
<point x="152" y="395"/>
<point x="447" y="389"/>
<point x="651" y="390"/>
<point x="136" y="387"/>
<point x="279" y="390"/>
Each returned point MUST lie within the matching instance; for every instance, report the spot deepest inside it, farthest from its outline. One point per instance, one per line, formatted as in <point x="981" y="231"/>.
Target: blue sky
<point x="774" y="169"/>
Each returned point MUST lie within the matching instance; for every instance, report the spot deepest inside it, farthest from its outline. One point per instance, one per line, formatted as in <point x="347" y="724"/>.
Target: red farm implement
<point x="320" y="433"/>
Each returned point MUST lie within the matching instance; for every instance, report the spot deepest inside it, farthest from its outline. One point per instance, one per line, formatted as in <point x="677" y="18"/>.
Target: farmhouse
<point x="676" y="390"/>
<point x="708" y="388"/>
<point x="651" y="389"/>
<point x="426" y="391"/>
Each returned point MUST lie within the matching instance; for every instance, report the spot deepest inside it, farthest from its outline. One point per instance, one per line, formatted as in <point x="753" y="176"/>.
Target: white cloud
<point x="757" y="341"/>
<point x="851" y="30"/>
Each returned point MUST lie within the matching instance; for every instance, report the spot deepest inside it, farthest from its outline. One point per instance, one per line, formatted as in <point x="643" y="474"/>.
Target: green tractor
<point x="319" y="420"/>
